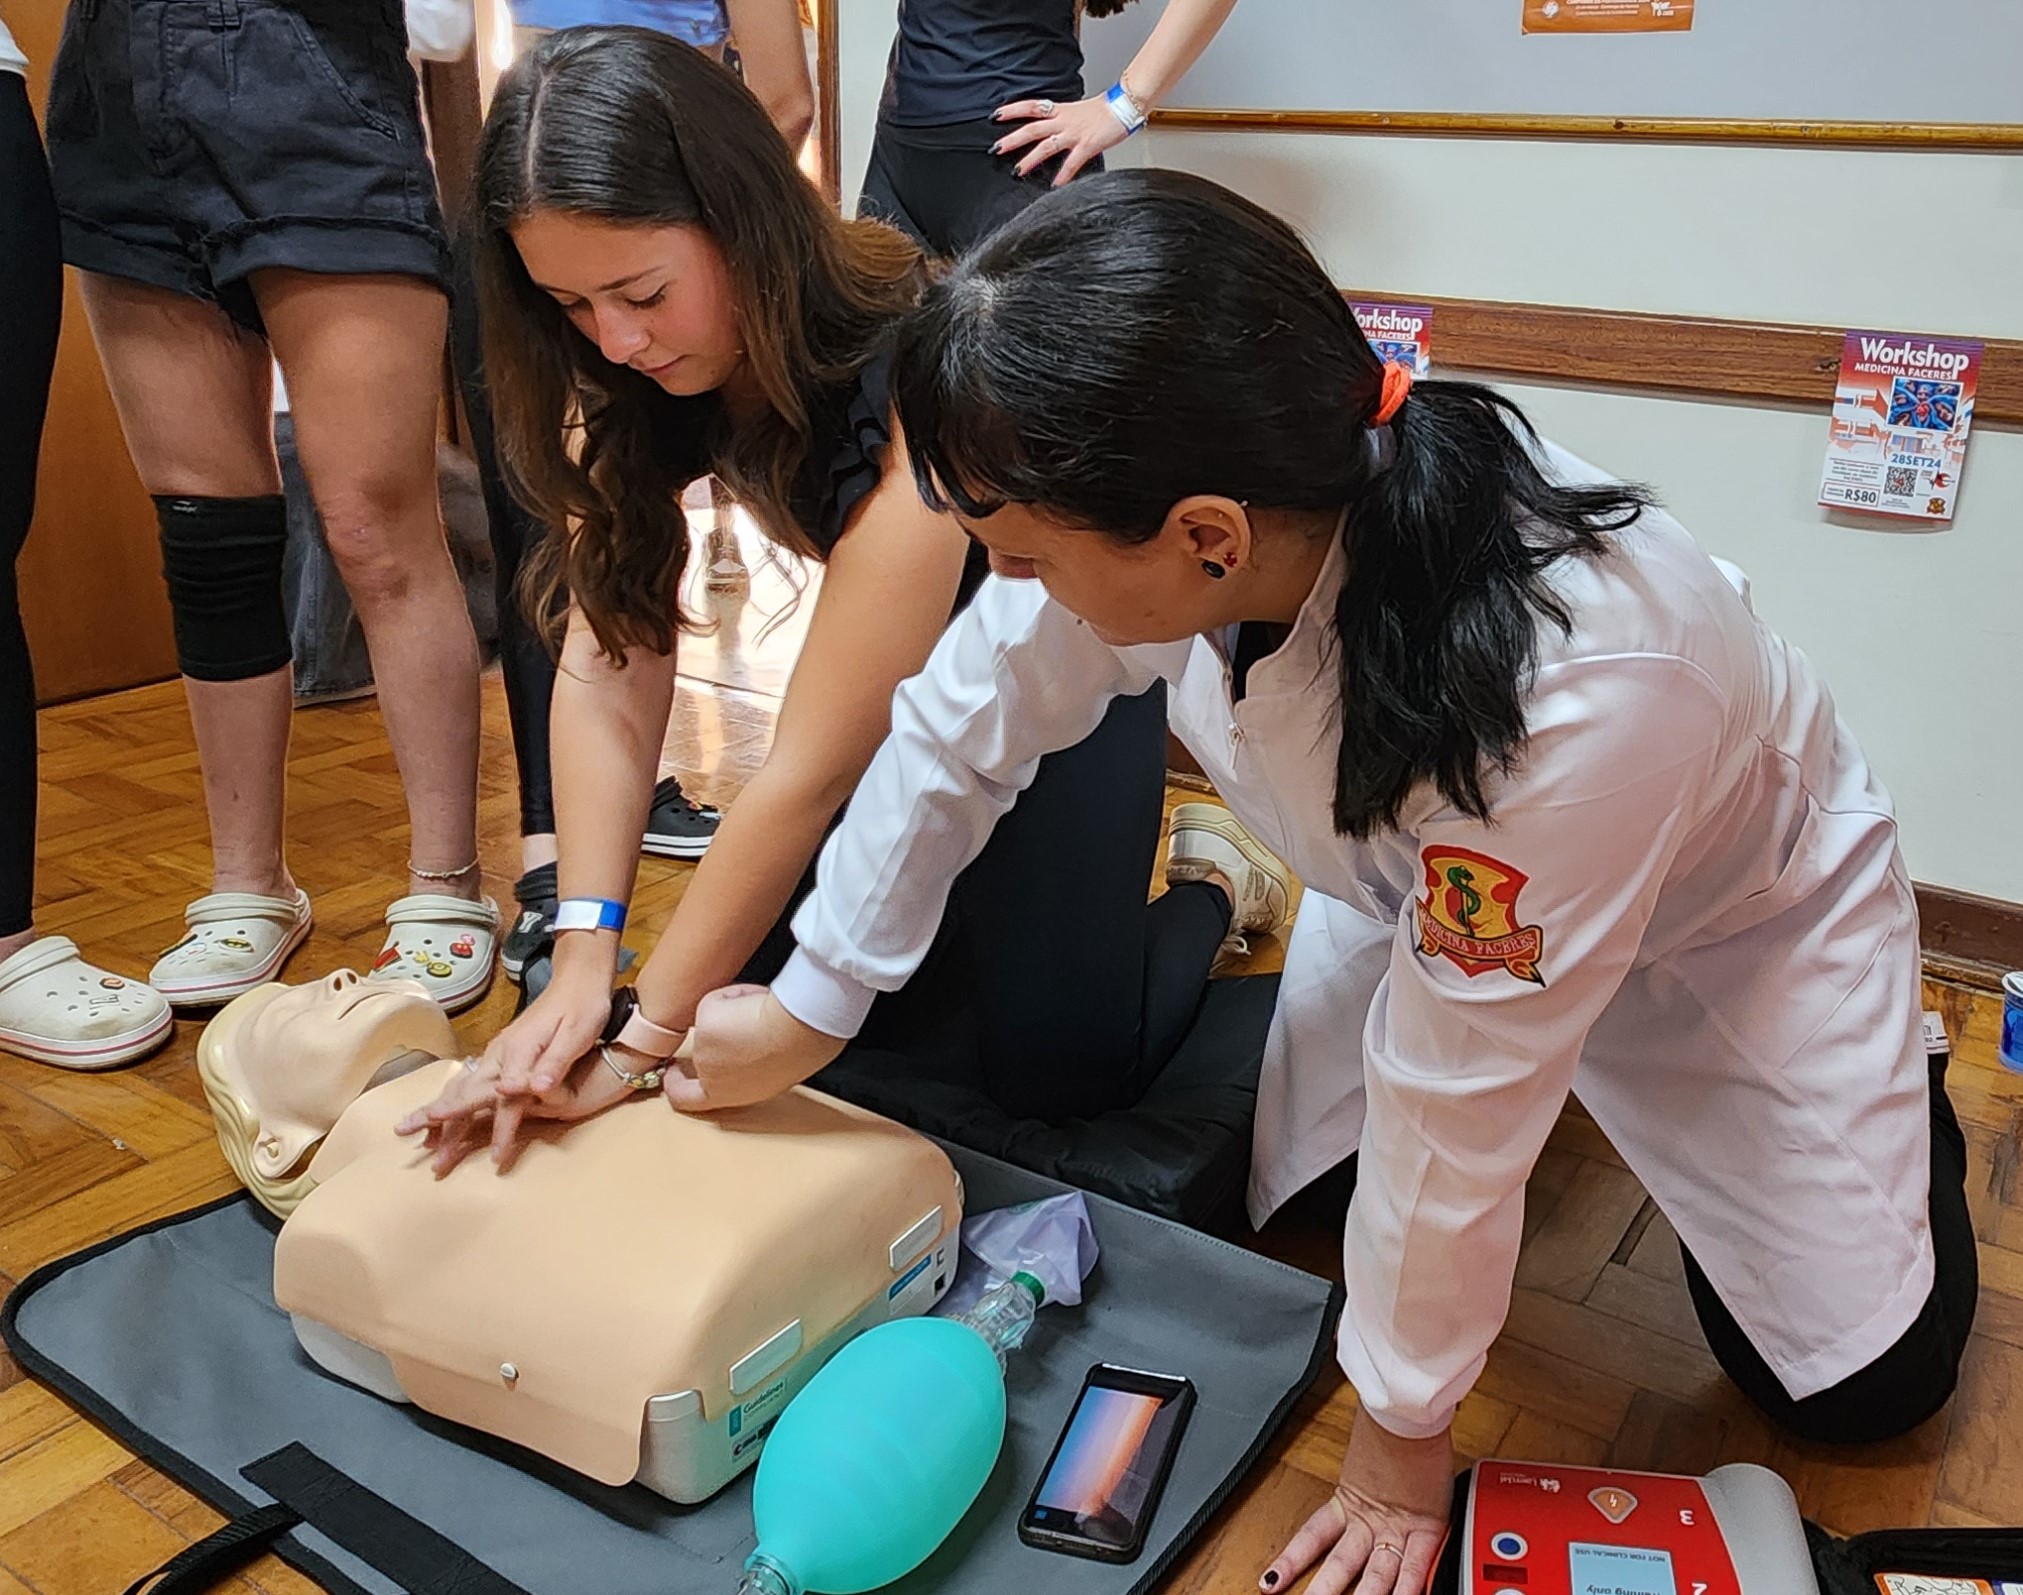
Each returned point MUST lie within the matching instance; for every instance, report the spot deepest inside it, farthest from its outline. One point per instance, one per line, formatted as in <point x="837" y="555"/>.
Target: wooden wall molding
<point x="1764" y="360"/>
<point x="1971" y="939"/>
<point x="1985" y="136"/>
<point x="829" y="96"/>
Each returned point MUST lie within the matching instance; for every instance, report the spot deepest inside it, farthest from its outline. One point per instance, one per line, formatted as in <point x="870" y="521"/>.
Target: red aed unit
<point x="1537" y="1529"/>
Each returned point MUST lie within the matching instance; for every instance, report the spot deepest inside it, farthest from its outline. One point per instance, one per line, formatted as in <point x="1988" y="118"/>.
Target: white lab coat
<point x="1689" y="907"/>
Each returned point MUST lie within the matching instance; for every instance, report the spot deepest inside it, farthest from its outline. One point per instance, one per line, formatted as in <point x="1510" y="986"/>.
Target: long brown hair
<point x="628" y="125"/>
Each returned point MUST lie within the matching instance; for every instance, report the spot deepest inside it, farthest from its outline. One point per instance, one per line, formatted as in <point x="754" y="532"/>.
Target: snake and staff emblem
<point x="1469" y="915"/>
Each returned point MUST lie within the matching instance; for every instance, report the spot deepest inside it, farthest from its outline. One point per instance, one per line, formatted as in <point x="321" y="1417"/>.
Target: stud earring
<point x="1209" y="567"/>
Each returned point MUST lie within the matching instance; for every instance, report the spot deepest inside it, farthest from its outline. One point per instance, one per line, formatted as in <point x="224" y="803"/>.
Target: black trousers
<point x="31" y="289"/>
<point x="1052" y="983"/>
<point x="944" y="188"/>
<point x="1914" y="1378"/>
<point x="523" y="658"/>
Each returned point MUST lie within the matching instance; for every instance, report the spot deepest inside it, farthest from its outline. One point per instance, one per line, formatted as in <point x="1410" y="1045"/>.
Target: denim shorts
<point x="194" y="142"/>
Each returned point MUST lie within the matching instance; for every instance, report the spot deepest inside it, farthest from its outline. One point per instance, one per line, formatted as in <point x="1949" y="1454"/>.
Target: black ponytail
<point x="1144" y="336"/>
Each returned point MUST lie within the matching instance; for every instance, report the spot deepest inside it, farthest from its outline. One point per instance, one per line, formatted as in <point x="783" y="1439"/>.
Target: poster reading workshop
<point x="1608" y="16"/>
<point x="1401" y="334"/>
<point x="1901" y="411"/>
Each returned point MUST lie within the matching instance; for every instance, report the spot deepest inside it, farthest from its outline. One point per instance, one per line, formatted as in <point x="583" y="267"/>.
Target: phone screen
<point x="1110" y="1460"/>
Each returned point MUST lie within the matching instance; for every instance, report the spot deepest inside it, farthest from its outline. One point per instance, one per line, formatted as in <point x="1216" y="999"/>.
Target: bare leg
<point x="194" y="394"/>
<point x="363" y="359"/>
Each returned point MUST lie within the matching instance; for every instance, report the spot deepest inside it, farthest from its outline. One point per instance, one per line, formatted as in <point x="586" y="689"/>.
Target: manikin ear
<point x="1211" y="530"/>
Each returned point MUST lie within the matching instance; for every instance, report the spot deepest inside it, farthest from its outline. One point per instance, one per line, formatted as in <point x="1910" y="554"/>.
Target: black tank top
<point x="959" y="60"/>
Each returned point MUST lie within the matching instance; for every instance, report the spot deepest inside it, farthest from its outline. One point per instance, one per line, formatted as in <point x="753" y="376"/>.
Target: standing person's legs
<point x="524" y="659"/>
<point x="1915" y="1377"/>
<point x="944" y="187"/>
<point x="878" y="199"/>
<point x="193" y="391"/>
<point x="31" y="285"/>
<point x="54" y="1007"/>
<point x="362" y="357"/>
<point x="193" y="394"/>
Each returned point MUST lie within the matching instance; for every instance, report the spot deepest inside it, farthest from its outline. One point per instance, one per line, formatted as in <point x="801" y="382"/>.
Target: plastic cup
<point x="2012" y="1020"/>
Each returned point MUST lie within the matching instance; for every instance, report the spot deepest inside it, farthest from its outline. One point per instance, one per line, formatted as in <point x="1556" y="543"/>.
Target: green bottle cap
<point x="1038" y="1290"/>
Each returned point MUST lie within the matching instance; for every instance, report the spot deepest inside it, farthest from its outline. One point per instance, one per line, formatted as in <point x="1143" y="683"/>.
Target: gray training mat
<point x="170" y="1337"/>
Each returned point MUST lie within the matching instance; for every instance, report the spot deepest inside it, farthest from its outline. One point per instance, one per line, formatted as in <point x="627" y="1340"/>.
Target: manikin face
<point x="658" y="299"/>
<point x="280" y="1064"/>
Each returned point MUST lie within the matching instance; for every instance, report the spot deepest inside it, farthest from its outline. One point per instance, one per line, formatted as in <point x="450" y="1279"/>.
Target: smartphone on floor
<point x="1100" y="1488"/>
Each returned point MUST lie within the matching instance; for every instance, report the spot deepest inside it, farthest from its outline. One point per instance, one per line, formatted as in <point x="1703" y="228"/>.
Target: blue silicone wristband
<point x="589" y="913"/>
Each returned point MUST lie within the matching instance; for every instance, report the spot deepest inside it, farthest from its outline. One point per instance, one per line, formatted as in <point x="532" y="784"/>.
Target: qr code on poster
<point x="1901" y="481"/>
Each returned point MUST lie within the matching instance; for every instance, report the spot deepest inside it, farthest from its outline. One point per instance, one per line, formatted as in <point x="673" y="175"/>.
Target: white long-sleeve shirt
<point x="11" y="58"/>
<point x="1688" y="905"/>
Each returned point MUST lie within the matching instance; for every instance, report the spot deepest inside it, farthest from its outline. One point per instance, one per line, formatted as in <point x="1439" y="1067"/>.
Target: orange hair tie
<point x="1397" y="383"/>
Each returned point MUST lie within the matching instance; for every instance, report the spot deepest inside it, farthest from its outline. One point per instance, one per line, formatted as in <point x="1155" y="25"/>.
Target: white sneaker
<point x="56" y="1008"/>
<point x="236" y="941"/>
<point x="1206" y="839"/>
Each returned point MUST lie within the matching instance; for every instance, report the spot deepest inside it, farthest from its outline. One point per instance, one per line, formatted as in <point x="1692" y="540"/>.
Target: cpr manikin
<point x="637" y="1299"/>
<point x="282" y="1062"/>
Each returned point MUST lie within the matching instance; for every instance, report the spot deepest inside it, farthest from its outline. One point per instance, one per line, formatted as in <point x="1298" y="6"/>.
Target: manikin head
<point x="280" y="1064"/>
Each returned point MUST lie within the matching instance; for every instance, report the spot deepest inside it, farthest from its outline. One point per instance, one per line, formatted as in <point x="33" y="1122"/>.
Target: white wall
<point x="1919" y="632"/>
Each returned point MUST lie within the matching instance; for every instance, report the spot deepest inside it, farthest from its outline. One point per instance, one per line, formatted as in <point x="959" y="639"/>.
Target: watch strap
<point x="629" y="1027"/>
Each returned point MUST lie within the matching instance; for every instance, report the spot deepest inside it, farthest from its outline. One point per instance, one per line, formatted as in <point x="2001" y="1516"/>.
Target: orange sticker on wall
<point x="1607" y="16"/>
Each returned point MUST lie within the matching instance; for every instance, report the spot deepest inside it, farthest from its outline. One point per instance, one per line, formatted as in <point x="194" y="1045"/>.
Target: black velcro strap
<point x="209" y="1561"/>
<point x="372" y="1528"/>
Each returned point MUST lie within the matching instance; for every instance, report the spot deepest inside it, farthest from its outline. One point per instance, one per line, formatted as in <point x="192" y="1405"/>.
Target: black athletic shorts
<point x="194" y="142"/>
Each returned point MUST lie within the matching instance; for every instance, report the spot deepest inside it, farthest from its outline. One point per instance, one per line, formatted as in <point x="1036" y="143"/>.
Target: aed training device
<point x="1097" y="1495"/>
<point x="1536" y="1529"/>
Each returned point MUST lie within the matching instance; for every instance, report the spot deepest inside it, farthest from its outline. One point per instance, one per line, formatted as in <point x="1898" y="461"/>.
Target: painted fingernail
<point x="997" y="148"/>
<point x="1270" y="1580"/>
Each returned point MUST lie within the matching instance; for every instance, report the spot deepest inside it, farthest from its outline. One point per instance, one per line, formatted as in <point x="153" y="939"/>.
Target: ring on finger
<point x="1047" y="107"/>
<point x="1386" y="1545"/>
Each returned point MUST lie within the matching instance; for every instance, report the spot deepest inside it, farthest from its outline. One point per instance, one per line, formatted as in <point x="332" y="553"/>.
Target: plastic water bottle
<point x="873" y="1464"/>
<point x="1004" y="1313"/>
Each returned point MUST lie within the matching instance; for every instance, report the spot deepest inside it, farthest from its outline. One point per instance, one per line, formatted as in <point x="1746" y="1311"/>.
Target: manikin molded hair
<point x="1143" y="336"/>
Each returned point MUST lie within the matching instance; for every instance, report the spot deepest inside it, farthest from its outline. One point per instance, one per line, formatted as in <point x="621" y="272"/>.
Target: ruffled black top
<point x="850" y="428"/>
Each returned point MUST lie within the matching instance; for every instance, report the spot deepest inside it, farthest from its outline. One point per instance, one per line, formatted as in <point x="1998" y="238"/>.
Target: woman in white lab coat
<point x="1569" y="817"/>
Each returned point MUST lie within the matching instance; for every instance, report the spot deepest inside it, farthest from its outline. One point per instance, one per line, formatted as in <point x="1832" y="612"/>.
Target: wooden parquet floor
<point x="1601" y="1360"/>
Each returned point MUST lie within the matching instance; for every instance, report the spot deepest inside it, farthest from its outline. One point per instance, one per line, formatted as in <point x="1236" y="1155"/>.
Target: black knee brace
<point x="222" y="560"/>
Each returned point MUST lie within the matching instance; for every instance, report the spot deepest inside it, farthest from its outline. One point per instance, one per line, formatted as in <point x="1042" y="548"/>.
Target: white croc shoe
<point x="236" y="941"/>
<point x="1205" y="838"/>
<point x="446" y="943"/>
<point x="56" y="1008"/>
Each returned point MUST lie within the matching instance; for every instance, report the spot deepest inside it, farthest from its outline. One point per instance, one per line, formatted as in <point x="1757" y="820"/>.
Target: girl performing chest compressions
<point x="666" y="297"/>
<point x="1569" y="817"/>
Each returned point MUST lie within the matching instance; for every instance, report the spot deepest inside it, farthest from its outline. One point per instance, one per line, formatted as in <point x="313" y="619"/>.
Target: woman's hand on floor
<point x="1386" y="1520"/>
<point x="746" y="1048"/>
<point x="1077" y="132"/>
